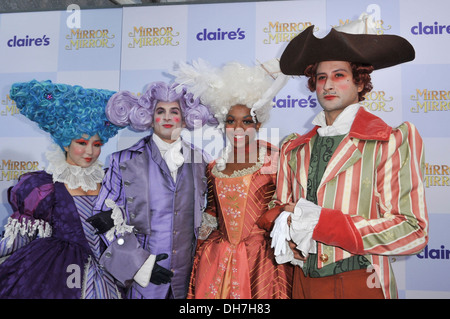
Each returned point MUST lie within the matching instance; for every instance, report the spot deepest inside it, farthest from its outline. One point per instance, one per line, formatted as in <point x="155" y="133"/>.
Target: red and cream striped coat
<point x="372" y="193"/>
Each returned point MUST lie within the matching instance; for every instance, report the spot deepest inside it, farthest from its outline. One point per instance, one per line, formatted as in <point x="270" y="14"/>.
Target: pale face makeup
<point x="168" y="121"/>
<point x="84" y="151"/>
<point x="335" y="88"/>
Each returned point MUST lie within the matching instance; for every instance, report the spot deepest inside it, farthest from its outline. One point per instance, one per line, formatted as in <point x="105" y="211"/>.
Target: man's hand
<point x="102" y="221"/>
<point x="160" y="275"/>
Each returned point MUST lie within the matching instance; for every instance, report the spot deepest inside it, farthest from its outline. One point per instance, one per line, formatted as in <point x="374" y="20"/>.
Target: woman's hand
<point x="297" y="253"/>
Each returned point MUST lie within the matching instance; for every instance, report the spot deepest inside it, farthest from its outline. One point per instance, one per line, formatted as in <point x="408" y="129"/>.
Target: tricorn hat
<point x="380" y="51"/>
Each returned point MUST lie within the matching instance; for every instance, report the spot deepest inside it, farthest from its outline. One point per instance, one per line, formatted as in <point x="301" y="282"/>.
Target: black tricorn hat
<point x="380" y="51"/>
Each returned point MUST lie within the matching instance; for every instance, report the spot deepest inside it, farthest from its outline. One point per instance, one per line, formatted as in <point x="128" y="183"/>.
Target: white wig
<point x="234" y="83"/>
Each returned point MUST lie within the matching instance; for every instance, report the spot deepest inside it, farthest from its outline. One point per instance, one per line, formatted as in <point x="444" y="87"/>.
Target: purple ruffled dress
<point x="54" y="250"/>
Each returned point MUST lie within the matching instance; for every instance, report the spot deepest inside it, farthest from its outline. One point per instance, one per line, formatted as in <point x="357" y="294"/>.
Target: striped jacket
<point x="372" y="194"/>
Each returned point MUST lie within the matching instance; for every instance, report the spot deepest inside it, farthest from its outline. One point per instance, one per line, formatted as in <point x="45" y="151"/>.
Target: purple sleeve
<point x="32" y="202"/>
<point x="112" y="183"/>
<point x="124" y="257"/>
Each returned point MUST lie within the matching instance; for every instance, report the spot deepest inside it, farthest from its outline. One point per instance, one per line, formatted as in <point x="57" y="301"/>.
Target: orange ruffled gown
<point x="236" y="260"/>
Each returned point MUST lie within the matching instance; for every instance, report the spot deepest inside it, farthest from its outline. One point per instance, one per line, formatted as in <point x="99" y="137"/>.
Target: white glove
<point x="280" y="234"/>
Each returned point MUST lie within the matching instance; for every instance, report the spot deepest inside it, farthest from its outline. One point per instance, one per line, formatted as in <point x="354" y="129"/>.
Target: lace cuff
<point x="120" y="227"/>
<point x="25" y="227"/>
<point x="209" y="223"/>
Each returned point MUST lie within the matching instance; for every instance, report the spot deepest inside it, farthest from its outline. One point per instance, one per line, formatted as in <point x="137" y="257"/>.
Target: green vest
<point x="322" y="151"/>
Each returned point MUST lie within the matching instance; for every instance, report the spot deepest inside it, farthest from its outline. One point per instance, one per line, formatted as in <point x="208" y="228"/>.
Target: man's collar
<point x="366" y="126"/>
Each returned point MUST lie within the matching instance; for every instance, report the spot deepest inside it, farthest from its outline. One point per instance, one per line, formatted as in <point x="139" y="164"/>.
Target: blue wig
<point x="65" y="112"/>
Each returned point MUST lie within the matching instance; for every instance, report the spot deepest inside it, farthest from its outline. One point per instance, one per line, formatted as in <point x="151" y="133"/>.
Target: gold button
<point x="324" y="258"/>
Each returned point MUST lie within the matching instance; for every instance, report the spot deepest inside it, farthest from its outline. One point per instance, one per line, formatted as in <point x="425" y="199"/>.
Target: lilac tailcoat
<point x="165" y="215"/>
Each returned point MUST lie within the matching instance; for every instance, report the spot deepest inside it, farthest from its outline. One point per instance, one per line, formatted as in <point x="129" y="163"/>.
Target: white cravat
<point x="171" y="153"/>
<point x="342" y="123"/>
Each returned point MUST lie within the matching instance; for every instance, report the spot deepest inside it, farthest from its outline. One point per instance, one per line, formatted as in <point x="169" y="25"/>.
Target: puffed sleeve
<point x="31" y="200"/>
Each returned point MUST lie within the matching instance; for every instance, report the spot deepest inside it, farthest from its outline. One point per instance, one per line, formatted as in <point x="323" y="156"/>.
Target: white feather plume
<point x="199" y="77"/>
<point x="233" y="83"/>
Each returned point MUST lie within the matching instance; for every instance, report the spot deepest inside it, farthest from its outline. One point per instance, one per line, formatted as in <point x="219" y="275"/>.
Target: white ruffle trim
<point x="73" y="176"/>
<point x="120" y="227"/>
<point x="218" y="168"/>
<point x="25" y="227"/>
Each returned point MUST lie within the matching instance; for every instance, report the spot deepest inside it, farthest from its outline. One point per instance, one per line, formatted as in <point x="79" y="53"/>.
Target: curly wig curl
<point x="64" y="111"/>
<point x="125" y="109"/>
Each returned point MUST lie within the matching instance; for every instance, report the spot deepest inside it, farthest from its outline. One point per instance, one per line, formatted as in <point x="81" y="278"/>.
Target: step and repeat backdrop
<point x="127" y="48"/>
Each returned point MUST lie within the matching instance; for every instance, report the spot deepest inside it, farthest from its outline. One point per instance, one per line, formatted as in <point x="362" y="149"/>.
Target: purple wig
<point x="125" y="109"/>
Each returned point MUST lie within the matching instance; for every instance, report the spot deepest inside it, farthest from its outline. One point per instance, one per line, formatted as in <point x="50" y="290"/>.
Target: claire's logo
<point x="219" y="35"/>
<point x="28" y="41"/>
<point x="292" y="102"/>
<point x="426" y="29"/>
<point x="434" y="253"/>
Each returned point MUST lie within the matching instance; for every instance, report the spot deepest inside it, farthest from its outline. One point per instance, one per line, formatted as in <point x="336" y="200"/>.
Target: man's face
<point x="168" y="121"/>
<point x="335" y="88"/>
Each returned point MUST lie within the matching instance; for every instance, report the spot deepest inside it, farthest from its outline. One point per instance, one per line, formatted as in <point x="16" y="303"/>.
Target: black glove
<point x="101" y="221"/>
<point x="160" y="275"/>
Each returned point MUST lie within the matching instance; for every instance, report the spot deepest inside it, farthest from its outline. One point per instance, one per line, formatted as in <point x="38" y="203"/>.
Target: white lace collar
<point x="245" y="171"/>
<point x="71" y="175"/>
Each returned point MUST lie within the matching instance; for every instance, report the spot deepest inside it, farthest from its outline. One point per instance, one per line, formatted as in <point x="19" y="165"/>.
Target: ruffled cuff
<point x="25" y="227"/>
<point x="303" y="221"/>
<point x="120" y="227"/>
<point x="209" y="223"/>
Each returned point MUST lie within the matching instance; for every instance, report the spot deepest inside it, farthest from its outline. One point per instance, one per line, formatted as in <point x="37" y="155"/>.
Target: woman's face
<point x="84" y="151"/>
<point x="240" y="127"/>
<point x="168" y="121"/>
